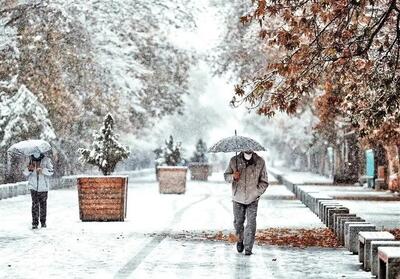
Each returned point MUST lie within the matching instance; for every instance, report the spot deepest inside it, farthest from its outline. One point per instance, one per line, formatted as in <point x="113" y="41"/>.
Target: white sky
<point x="207" y="34"/>
<point x="218" y="90"/>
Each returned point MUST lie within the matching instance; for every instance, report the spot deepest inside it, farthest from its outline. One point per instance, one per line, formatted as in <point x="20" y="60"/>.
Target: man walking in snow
<point x="248" y="174"/>
<point x="38" y="171"/>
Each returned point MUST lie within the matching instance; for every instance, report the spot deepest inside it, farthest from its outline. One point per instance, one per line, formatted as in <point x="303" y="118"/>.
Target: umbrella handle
<point x="236" y="151"/>
<point x="236" y="162"/>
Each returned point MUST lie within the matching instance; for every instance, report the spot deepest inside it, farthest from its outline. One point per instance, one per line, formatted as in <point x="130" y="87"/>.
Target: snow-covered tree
<point x="237" y="54"/>
<point x="106" y="151"/>
<point x="142" y="68"/>
<point x="85" y="58"/>
<point x="199" y="155"/>
<point x="50" y="55"/>
<point x="22" y="117"/>
<point x="171" y="154"/>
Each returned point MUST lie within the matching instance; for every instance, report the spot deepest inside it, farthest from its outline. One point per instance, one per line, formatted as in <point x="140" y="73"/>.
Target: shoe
<point x="34" y="227"/>
<point x="240" y="246"/>
<point x="43" y="225"/>
<point x="247" y="253"/>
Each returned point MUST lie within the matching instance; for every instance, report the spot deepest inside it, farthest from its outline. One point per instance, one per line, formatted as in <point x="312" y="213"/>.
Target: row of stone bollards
<point x="377" y="250"/>
<point x="11" y="190"/>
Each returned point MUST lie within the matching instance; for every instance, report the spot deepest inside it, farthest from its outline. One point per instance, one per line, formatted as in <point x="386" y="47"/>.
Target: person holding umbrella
<point x="248" y="175"/>
<point x="38" y="171"/>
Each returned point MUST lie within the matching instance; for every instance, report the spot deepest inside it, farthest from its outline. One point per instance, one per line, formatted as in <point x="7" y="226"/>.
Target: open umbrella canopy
<point x="236" y="144"/>
<point x="29" y="147"/>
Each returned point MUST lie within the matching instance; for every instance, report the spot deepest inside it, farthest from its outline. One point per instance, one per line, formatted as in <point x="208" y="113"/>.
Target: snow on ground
<point x="302" y="177"/>
<point x="384" y="214"/>
<point x="185" y="259"/>
<point x="130" y="249"/>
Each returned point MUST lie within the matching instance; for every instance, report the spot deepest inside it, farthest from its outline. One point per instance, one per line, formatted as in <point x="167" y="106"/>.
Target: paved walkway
<point x="139" y="247"/>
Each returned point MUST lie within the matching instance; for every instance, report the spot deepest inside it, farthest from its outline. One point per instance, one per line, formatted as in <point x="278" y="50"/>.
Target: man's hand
<point x="236" y="176"/>
<point x="31" y="167"/>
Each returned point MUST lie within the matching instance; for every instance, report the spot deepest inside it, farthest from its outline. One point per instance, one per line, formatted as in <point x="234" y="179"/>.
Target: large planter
<point x="199" y="171"/>
<point x="102" y="198"/>
<point x="172" y="180"/>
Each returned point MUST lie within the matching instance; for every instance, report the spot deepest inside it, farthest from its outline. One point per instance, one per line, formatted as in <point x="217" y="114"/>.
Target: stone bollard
<point x="22" y="188"/>
<point x="374" y="253"/>
<point x="310" y="199"/>
<point x="68" y="181"/>
<point x="337" y="218"/>
<point x="315" y="199"/>
<point x="389" y="262"/>
<point x="331" y="212"/>
<point x="294" y="190"/>
<point x="345" y="226"/>
<point x="325" y="213"/>
<point x="303" y="194"/>
<point x="322" y="205"/>
<point x="351" y="235"/>
<point x="364" y="245"/>
<point x="12" y="190"/>
<point x="3" y="192"/>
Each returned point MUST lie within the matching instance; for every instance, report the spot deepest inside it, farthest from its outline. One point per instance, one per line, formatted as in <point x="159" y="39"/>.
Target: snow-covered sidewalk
<point x="296" y="177"/>
<point x="139" y="247"/>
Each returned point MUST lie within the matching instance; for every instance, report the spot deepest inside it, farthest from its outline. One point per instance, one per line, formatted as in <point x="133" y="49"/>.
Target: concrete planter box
<point x="102" y="198"/>
<point x="172" y="180"/>
<point x="199" y="171"/>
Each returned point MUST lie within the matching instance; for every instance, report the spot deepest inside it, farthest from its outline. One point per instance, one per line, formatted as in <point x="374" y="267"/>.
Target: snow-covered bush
<point x="22" y="116"/>
<point x="199" y="155"/>
<point x="106" y="151"/>
<point x="171" y="154"/>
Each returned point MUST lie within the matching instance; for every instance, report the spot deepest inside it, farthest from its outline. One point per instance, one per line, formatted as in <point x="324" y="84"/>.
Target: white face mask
<point x="36" y="155"/>
<point x="248" y="156"/>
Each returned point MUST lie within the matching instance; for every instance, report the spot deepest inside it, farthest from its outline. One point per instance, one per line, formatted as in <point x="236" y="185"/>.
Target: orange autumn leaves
<point x="287" y="237"/>
<point x="352" y="45"/>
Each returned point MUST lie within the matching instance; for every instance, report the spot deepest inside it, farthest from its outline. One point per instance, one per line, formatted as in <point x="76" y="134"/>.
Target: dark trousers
<point x="241" y="213"/>
<point x="39" y="207"/>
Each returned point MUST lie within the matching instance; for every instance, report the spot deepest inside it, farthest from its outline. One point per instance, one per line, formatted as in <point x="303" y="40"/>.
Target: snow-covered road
<point x="139" y="247"/>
